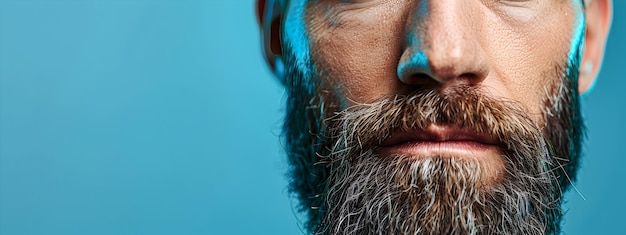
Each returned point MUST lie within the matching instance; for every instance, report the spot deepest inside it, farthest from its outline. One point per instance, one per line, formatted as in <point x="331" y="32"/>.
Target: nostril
<point x="469" y="78"/>
<point x="420" y="79"/>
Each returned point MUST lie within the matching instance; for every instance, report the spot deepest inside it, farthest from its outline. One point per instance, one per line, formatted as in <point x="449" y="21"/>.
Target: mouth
<point x="442" y="141"/>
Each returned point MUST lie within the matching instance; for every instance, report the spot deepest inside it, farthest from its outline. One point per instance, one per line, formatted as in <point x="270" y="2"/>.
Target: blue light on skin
<point x="418" y="59"/>
<point x="578" y="43"/>
<point x="295" y="34"/>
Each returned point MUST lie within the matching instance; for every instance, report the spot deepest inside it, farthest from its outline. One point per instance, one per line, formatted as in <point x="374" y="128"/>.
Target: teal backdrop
<point x="160" y="117"/>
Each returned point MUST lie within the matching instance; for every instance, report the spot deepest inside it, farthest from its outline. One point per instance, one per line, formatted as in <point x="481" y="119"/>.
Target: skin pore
<point x="409" y="116"/>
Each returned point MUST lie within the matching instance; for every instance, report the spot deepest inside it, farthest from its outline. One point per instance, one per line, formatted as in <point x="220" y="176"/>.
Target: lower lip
<point x="461" y="149"/>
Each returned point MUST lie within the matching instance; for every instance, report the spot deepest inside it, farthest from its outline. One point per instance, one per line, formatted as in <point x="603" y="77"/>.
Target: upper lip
<point x="438" y="133"/>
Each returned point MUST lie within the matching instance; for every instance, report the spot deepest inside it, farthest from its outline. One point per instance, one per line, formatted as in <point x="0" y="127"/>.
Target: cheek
<point x="358" y="55"/>
<point x="535" y="54"/>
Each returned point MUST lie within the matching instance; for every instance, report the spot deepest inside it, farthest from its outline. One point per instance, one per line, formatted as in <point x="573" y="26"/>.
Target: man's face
<point x="439" y="116"/>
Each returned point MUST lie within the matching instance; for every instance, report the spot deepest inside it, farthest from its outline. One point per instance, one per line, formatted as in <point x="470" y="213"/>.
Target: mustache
<point x="463" y="107"/>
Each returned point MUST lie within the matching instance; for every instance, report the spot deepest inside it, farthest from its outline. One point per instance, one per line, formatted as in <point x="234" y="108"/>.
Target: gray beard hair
<point x="370" y="193"/>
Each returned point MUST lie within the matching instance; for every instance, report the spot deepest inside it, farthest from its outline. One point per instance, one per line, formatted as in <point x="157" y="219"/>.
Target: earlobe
<point x="269" y="16"/>
<point x="598" y="18"/>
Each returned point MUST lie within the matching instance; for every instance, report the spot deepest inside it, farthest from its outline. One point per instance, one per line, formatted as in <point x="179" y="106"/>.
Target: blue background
<point x="160" y="117"/>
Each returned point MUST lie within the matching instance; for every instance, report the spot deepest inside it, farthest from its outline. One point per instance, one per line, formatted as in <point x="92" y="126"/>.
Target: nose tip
<point x="442" y="51"/>
<point x="442" y="64"/>
<point x="443" y="67"/>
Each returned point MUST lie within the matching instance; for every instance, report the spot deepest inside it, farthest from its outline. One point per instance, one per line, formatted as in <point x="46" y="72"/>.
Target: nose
<point x="441" y="44"/>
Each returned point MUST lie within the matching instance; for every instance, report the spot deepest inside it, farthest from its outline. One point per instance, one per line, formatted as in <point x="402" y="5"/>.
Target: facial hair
<point x="335" y="168"/>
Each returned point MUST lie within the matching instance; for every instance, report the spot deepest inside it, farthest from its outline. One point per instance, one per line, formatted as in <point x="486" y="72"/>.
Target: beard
<point x="346" y="186"/>
<point x="373" y="193"/>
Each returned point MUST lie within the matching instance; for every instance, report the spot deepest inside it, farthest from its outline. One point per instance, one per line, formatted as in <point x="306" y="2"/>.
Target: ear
<point x="598" y="16"/>
<point x="269" y="18"/>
